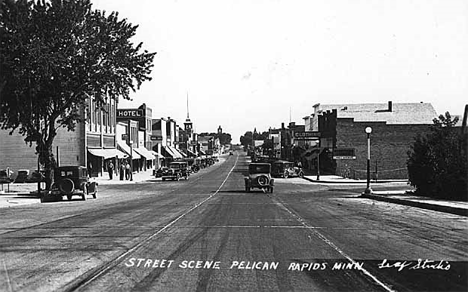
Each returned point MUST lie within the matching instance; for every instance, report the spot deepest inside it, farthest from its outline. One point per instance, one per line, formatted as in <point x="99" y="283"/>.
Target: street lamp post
<point x="318" y="165"/>
<point x="368" y="132"/>
<point x="131" y="160"/>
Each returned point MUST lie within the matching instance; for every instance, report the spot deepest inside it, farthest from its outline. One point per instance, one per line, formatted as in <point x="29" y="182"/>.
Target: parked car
<point x="22" y="176"/>
<point x="177" y="170"/>
<point x="5" y="177"/>
<point x="36" y="176"/>
<point x="281" y="168"/>
<point x="161" y="171"/>
<point x="259" y="177"/>
<point x="71" y="181"/>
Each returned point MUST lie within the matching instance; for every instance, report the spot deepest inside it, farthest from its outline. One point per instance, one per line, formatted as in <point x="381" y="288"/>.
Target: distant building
<point x="339" y="130"/>
<point x="206" y="144"/>
<point x="164" y="138"/>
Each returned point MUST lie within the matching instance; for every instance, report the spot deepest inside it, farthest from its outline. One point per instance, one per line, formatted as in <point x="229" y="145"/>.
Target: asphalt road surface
<point x="207" y="234"/>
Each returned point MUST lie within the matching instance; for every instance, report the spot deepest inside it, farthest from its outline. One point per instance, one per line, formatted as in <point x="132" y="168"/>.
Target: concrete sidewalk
<point x="137" y="177"/>
<point x="26" y="193"/>
<point x="402" y="196"/>
<point x="407" y="199"/>
<point x="334" y="179"/>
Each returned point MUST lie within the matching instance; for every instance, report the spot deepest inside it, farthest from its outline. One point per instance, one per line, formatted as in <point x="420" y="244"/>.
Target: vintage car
<point x="259" y="177"/>
<point x="35" y="176"/>
<point x="22" y="176"/>
<point x="5" y="177"/>
<point x="161" y="171"/>
<point x="176" y="171"/>
<point x="72" y="180"/>
<point x="281" y="168"/>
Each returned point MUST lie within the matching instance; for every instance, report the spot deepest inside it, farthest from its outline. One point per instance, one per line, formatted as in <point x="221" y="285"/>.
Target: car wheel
<point x="66" y="186"/>
<point x="262" y="180"/>
<point x="163" y="179"/>
<point x="95" y="192"/>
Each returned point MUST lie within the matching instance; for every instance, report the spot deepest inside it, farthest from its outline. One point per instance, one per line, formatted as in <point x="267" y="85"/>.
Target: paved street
<point x="207" y="234"/>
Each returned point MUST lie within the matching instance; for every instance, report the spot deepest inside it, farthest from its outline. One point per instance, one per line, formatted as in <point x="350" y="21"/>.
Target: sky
<point x="255" y="64"/>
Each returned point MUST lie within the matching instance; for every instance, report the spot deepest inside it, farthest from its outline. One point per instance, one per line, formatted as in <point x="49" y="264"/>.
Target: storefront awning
<point x="145" y="153"/>
<point x="158" y="155"/>
<point x="312" y="153"/>
<point x="107" y="153"/>
<point x="125" y="148"/>
<point x="172" y="152"/>
<point x="181" y="152"/>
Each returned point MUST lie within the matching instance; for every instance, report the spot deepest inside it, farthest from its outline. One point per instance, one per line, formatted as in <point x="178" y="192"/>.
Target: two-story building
<point x="340" y="131"/>
<point x="137" y="136"/>
<point x="91" y="144"/>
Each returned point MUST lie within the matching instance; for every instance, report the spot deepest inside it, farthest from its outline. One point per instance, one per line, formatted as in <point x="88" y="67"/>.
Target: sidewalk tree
<point x="437" y="162"/>
<point x="56" y="54"/>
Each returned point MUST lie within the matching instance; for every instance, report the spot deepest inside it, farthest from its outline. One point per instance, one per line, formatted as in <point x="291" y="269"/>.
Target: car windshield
<point x="259" y="168"/>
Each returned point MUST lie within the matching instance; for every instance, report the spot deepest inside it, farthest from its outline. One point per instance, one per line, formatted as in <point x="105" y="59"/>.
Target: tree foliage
<point x="437" y="162"/>
<point x="249" y="136"/>
<point x="53" y="56"/>
<point x="224" y="138"/>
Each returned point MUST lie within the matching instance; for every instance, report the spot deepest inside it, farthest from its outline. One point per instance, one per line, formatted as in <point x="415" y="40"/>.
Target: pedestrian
<point x="90" y="168"/>
<point x="127" y="171"/>
<point x="110" y="169"/>
<point x="122" y="170"/>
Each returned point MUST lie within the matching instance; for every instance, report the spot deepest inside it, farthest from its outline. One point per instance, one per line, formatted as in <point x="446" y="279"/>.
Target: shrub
<point x="437" y="162"/>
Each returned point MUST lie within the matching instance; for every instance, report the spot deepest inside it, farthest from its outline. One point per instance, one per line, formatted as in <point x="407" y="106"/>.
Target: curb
<point x="351" y="181"/>
<point x="422" y="205"/>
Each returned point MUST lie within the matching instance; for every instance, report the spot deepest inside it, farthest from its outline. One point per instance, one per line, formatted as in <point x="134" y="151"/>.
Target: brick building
<point x="343" y="141"/>
<point x="89" y="145"/>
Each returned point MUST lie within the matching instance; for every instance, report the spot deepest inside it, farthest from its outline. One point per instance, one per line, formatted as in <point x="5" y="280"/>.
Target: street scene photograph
<point x="233" y="145"/>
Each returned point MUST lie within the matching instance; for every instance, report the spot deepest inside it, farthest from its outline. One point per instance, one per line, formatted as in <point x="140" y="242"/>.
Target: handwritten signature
<point x="415" y="265"/>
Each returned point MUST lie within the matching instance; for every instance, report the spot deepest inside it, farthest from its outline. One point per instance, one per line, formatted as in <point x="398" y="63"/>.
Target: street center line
<point x="117" y="260"/>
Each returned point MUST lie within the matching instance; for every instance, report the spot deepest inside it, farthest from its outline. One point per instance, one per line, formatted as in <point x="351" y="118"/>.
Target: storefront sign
<point x="344" y="153"/>
<point x="129" y="113"/>
<point x="344" y="157"/>
<point x="156" y="138"/>
<point x="306" y="135"/>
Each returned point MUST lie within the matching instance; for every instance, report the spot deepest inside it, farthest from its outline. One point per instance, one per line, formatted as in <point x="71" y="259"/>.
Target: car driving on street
<point x="259" y="177"/>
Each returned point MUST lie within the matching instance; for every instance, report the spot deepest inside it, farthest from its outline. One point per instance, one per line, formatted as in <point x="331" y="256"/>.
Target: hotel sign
<point x="129" y="113"/>
<point x="306" y="135"/>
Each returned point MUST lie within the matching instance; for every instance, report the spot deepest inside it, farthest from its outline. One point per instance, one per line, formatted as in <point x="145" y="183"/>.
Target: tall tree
<point x="438" y="162"/>
<point x="56" y="54"/>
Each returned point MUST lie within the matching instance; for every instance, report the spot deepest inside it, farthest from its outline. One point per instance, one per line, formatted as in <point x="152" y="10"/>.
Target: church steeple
<point x="188" y="124"/>
<point x="188" y="117"/>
